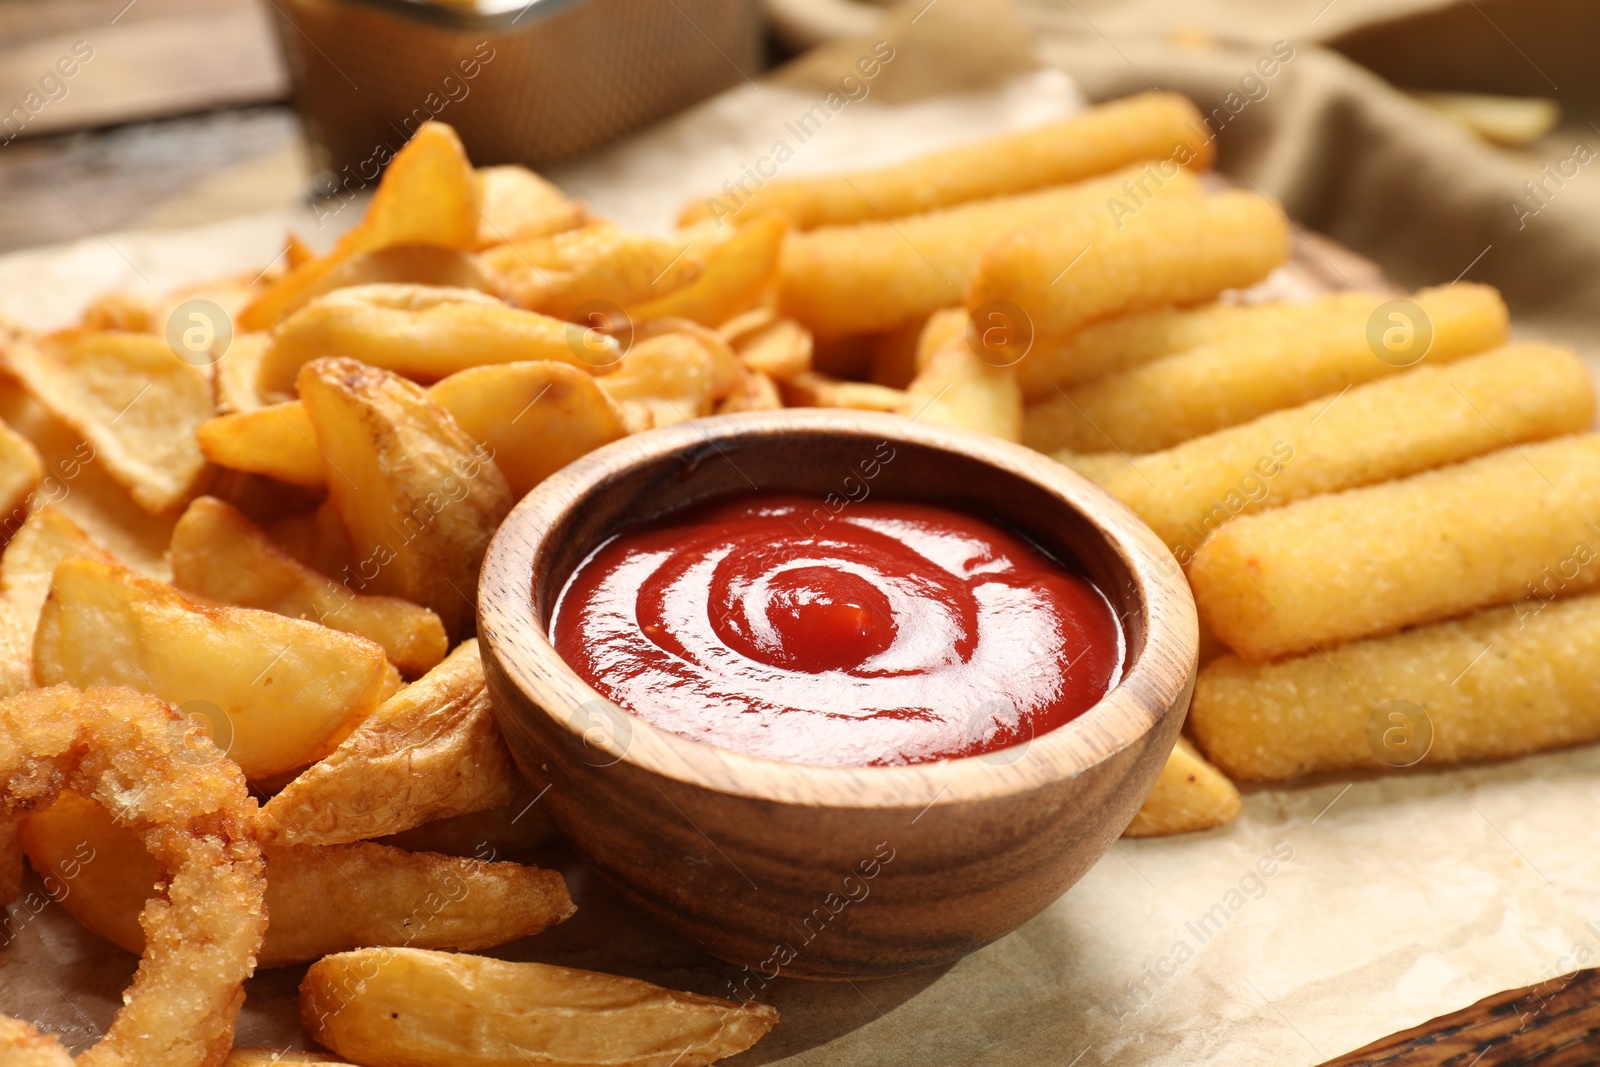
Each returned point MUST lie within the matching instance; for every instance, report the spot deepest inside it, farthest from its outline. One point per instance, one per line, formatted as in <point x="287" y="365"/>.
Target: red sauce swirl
<point x="890" y="633"/>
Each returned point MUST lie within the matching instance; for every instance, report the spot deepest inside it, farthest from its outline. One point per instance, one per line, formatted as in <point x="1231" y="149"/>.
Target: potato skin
<point x="319" y="899"/>
<point x="1191" y="795"/>
<point x="404" y="1007"/>
<point x="418" y="496"/>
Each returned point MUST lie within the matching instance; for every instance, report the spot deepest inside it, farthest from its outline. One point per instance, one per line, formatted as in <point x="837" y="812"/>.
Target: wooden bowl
<point x="831" y="872"/>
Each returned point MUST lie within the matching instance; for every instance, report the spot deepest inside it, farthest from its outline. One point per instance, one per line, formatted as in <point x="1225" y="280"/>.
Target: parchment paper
<point x="1325" y="916"/>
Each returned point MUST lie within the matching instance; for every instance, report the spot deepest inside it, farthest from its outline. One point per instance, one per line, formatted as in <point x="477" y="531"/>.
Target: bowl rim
<point x="1157" y="678"/>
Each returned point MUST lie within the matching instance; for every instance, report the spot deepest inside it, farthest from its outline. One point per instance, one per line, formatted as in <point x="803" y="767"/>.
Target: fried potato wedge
<point x="428" y="195"/>
<point x="424" y="333"/>
<point x="276" y="441"/>
<point x="814" y="390"/>
<point x="316" y="538"/>
<point x="417" y="495"/>
<point x="738" y="272"/>
<point x="430" y="752"/>
<point x="219" y="555"/>
<point x="600" y="262"/>
<point x="957" y="388"/>
<point x="234" y="374"/>
<point x="132" y="399"/>
<point x="517" y="205"/>
<point x="16" y="652"/>
<point x="756" y="392"/>
<point x="430" y="265"/>
<point x="287" y="691"/>
<point x="1190" y="795"/>
<point x="485" y="835"/>
<point x="273" y="1057"/>
<point x="414" y="1008"/>
<point x="30" y="562"/>
<point x="779" y="350"/>
<point x="535" y="417"/>
<point x="319" y="900"/>
<point x="673" y="376"/>
<point x="21" y="470"/>
<point x="80" y="487"/>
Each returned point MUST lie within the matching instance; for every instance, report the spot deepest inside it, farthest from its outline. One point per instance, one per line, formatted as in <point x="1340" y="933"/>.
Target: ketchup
<point x="888" y="633"/>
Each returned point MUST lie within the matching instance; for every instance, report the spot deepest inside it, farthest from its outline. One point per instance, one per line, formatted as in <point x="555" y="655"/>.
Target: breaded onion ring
<point x="162" y="779"/>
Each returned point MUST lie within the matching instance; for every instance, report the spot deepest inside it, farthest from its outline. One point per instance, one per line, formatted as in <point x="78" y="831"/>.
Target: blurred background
<point x="1429" y="135"/>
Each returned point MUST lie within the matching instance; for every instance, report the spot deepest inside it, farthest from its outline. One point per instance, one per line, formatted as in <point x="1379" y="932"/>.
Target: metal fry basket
<point x="534" y="81"/>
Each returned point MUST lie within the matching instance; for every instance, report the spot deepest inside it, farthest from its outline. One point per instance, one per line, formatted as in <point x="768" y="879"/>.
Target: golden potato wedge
<point x="76" y="484"/>
<point x="417" y="496"/>
<point x="235" y="374"/>
<point x="518" y="205"/>
<point x="779" y="350"/>
<point x="129" y="397"/>
<point x="21" y="470"/>
<point x="425" y="334"/>
<point x="486" y="835"/>
<point x="30" y="562"/>
<point x="272" y="1057"/>
<point x="814" y="390"/>
<point x="430" y="752"/>
<point x="738" y="272"/>
<point x="276" y="441"/>
<point x="430" y="265"/>
<point x="601" y="262"/>
<point x="16" y="653"/>
<point x="756" y="392"/>
<point x="536" y="417"/>
<point x="405" y="1007"/>
<point x="428" y="195"/>
<point x="131" y="312"/>
<point x="1190" y="795"/>
<point x="957" y="388"/>
<point x="276" y="693"/>
<point x="219" y="555"/>
<point x="672" y="375"/>
<point x="317" y="539"/>
<point x="319" y="900"/>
